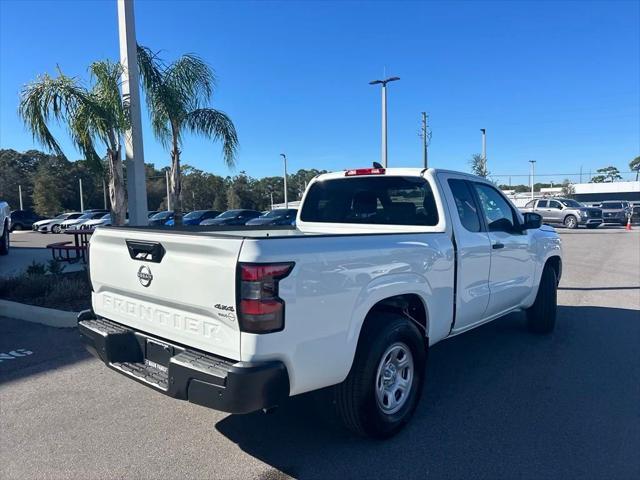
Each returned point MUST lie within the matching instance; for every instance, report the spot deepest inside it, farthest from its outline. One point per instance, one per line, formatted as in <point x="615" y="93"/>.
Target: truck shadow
<point x="498" y="403"/>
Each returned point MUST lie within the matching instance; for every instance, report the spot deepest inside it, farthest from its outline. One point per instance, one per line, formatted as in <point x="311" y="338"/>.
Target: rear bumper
<point x="204" y="379"/>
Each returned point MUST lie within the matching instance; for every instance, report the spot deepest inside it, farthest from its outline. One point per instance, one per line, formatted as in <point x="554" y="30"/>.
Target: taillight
<point x="260" y="310"/>
<point x="364" y="171"/>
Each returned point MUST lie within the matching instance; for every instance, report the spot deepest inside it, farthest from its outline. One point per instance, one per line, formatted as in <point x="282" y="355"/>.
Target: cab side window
<point x="497" y="211"/>
<point x="555" y="204"/>
<point x="465" y="205"/>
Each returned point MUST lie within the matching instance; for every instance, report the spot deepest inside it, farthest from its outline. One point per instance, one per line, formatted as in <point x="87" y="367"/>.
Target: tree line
<point x="50" y="185"/>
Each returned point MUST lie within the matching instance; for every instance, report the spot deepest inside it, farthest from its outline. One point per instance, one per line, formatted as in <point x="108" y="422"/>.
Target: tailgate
<point x="181" y="287"/>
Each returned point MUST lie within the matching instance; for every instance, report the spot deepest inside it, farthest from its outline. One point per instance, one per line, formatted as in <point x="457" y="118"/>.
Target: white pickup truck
<point x="381" y="265"/>
<point x="5" y="227"/>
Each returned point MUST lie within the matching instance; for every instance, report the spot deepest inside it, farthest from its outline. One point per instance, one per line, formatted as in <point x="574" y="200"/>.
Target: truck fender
<point x="380" y="289"/>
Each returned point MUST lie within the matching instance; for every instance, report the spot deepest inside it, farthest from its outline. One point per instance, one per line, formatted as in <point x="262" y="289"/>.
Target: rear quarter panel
<point x="335" y="282"/>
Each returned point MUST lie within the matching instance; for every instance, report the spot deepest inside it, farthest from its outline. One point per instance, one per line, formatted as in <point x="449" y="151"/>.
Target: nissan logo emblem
<point x="144" y="275"/>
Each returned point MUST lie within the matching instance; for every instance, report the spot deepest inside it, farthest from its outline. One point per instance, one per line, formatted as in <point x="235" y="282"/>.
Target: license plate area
<point x="158" y="354"/>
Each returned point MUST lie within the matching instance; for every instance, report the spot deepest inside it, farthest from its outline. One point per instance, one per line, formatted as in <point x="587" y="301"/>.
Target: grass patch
<point x="63" y="291"/>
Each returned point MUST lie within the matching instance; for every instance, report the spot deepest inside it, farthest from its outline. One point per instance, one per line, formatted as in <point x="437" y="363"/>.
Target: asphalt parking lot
<point x="498" y="402"/>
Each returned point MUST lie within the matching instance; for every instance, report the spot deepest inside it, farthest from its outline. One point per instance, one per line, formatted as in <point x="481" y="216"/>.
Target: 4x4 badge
<point x="144" y="275"/>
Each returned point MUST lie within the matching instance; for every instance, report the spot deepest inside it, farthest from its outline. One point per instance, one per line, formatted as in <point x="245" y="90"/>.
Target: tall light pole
<point x="166" y="179"/>
<point x="20" y="194"/>
<point x="384" y="114"/>
<point x="81" y="199"/>
<point x="286" y="201"/>
<point x="533" y="172"/>
<point x="484" y="148"/>
<point x="136" y="183"/>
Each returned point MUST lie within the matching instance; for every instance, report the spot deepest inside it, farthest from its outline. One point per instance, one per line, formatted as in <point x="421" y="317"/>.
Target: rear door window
<point x="383" y="200"/>
<point x="543" y="203"/>
<point x="465" y="204"/>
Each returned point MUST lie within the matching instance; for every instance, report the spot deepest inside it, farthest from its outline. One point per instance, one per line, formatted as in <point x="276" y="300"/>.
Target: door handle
<point x="497" y="245"/>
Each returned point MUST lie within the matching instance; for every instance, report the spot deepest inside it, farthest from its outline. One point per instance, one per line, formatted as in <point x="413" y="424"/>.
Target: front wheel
<point x="56" y="229"/>
<point x="592" y="226"/>
<point x="16" y="227"/>
<point x="571" y="222"/>
<point x="382" y="390"/>
<point x="541" y="316"/>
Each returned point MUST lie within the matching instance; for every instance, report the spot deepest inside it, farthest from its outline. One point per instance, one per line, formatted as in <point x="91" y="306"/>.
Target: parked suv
<point x="23" y="219"/>
<point x="565" y="211"/>
<point x="615" y="211"/>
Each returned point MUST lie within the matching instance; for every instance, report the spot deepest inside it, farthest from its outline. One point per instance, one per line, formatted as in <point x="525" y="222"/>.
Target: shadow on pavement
<point x="49" y="348"/>
<point x="498" y="403"/>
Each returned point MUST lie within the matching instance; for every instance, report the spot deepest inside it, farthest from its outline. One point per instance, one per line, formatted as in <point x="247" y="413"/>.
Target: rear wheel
<point x="571" y="222"/>
<point x="382" y="390"/>
<point x="541" y="316"/>
<point x="16" y="227"/>
<point x="4" y="240"/>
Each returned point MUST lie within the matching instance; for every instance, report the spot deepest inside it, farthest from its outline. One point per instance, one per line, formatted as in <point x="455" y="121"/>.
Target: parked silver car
<point x="565" y="211"/>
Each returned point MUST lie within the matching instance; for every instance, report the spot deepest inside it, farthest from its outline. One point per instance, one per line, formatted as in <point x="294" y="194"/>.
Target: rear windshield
<point x="612" y="205"/>
<point x="371" y="200"/>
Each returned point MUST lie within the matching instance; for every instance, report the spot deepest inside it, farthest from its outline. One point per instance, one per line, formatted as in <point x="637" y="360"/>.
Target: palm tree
<point x="177" y="96"/>
<point x="634" y="165"/>
<point x="92" y="116"/>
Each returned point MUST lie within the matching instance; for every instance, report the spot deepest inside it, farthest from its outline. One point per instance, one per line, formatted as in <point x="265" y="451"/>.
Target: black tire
<point x="541" y="316"/>
<point x="5" y="240"/>
<point x="570" y="221"/>
<point x="356" y="399"/>
<point x="592" y="226"/>
<point x="56" y="229"/>
<point x="16" y="227"/>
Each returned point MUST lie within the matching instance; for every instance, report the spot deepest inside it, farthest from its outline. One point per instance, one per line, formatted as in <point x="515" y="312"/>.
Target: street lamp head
<point x="283" y="155"/>
<point x="384" y="82"/>
<point x="483" y="130"/>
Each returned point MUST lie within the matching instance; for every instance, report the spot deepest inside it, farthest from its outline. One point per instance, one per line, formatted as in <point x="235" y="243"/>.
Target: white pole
<point x="384" y="125"/>
<point x="166" y="177"/>
<point x="533" y="170"/>
<point x="81" y="199"/>
<point x="286" y="202"/>
<point x="271" y="195"/>
<point x="136" y="184"/>
<point x="20" y="194"/>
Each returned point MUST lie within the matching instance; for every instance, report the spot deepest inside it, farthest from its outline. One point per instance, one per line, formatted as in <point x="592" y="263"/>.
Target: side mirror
<point x="532" y="221"/>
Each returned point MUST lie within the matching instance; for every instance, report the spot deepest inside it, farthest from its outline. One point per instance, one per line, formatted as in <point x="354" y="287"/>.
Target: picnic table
<point x="72" y="251"/>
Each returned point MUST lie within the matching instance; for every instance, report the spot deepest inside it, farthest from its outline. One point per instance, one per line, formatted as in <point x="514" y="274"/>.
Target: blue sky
<point x="558" y="82"/>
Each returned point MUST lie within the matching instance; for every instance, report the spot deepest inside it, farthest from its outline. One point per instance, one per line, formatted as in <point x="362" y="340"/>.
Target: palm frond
<point x="216" y="125"/>
<point x="192" y="79"/>
<point x="49" y="98"/>
<point x="151" y="68"/>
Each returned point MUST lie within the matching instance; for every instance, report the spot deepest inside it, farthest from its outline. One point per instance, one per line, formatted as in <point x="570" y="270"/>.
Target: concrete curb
<point x="44" y="316"/>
